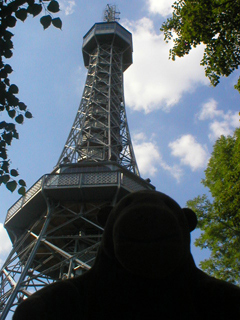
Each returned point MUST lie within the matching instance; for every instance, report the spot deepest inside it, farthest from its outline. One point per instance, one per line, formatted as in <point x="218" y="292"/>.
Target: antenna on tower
<point x="111" y="13"/>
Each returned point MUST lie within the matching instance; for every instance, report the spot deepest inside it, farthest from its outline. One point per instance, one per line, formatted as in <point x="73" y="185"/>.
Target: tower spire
<point x="55" y="228"/>
<point x="111" y="14"/>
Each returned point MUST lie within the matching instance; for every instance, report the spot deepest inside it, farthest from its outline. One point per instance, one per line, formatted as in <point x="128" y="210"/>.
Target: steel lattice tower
<point x="54" y="228"/>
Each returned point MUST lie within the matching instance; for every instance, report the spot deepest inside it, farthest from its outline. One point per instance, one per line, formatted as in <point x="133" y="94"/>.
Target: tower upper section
<point x="108" y="33"/>
<point x="100" y="131"/>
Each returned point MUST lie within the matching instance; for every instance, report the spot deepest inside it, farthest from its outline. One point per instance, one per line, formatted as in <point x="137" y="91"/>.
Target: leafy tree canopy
<point x="219" y="219"/>
<point x="215" y="23"/>
<point x="10" y="12"/>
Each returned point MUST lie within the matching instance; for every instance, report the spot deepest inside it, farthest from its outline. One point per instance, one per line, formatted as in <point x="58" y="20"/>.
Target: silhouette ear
<point x="191" y="218"/>
<point x="103" y="214"/>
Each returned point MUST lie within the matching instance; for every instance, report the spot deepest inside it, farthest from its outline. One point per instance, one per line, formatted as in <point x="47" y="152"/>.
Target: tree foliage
<point x="219" y="219"/>
<point x="11" y="107"/>
<point x="215" y="23"/>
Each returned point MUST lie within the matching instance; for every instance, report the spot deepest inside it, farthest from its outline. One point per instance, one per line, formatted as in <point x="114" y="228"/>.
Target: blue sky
<point x="174" y="115"/>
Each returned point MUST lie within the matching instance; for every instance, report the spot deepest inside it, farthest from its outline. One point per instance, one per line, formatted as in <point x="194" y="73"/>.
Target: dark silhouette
<point x="144" y="270"/>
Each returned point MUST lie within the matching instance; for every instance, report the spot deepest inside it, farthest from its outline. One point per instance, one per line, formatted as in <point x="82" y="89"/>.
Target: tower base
<point x="54" y="228"/>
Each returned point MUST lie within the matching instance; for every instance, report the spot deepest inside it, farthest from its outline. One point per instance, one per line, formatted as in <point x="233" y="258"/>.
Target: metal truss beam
<point x="100" y="131"/>
<point x="61" y="244"/>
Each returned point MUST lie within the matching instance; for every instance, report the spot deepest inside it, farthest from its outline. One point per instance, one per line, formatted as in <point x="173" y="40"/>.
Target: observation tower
<point x="54" y="228"/>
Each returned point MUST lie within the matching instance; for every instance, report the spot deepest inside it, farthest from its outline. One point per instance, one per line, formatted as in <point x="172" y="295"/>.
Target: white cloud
<point x="209" y="110"/>
<point x="67" y="6"/>
<point x="190" y="152"/>
<point x="5" y="244"/>
<point x="218" y="128"/>
<point x="149" y="158"/>
<point x="223" y="125"/>
<point x="154" y="81"/>
<point x="234" y="120"/>
<point x="162" y="7"/>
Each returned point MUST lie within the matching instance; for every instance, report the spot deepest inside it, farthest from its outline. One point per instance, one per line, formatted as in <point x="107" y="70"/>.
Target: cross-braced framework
<point x="54" y="228"/>
<point x="100" y="130"/>
<point x="60" y="245"/>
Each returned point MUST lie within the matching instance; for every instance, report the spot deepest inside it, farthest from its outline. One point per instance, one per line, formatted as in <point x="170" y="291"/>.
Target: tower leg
<point x="61" y="244"/>
<point x="16" y="286"/>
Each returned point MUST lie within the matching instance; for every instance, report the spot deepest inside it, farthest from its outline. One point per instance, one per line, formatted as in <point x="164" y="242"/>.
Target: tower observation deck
<point x="54" y="228"/>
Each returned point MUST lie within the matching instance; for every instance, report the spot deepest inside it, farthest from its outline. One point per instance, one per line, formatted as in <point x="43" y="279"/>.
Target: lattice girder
<point x="100" y="131"/>
<point x="61" y="242"/>
<point x="54" y="227"/>
<point x="68" y="245"/>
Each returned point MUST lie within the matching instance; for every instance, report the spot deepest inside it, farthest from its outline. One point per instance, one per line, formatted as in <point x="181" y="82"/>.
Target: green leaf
<point x="13" y="89"/>
<point x="53" y="6"/>
<point x="14" y="173"/>
<point x="22" y="183"/>
<point x="8" y="35"/>
<point x="7" y="137"/>
<point x="12" y="185"/>
<point x="12" y="113"/>
<point x="22" y="191"/>
<point x="21" y="14"/>
<point x="7" y="54"/>
<point x="57" y="22"/>
<point x="5" y="165"/>
<point x="30" y="2"/>
<point x="19" y="119"/>
<point x="3" y="74"/>
<point x="11" y="21"/>
<point x="3" y="154"/>
<point x="10" y="126"/>
<point x="3" y="124"/>
<point x="15" y="135"/>
<point x="46" y="21"/>
<point x="34" y="9"/>
<point x="20" y="2"/>
<point x="8" y="68"/>
<point x="12" y="100"/>
<point x="219" y="219"/>
<point x="22" y="106"/>
<point x="28" y="115"/>
<point x="7" y="82"/>
<point x="5" y="178"/>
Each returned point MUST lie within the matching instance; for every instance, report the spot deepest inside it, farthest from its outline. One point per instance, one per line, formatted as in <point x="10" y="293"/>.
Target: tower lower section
<point x="54" y="227"/>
